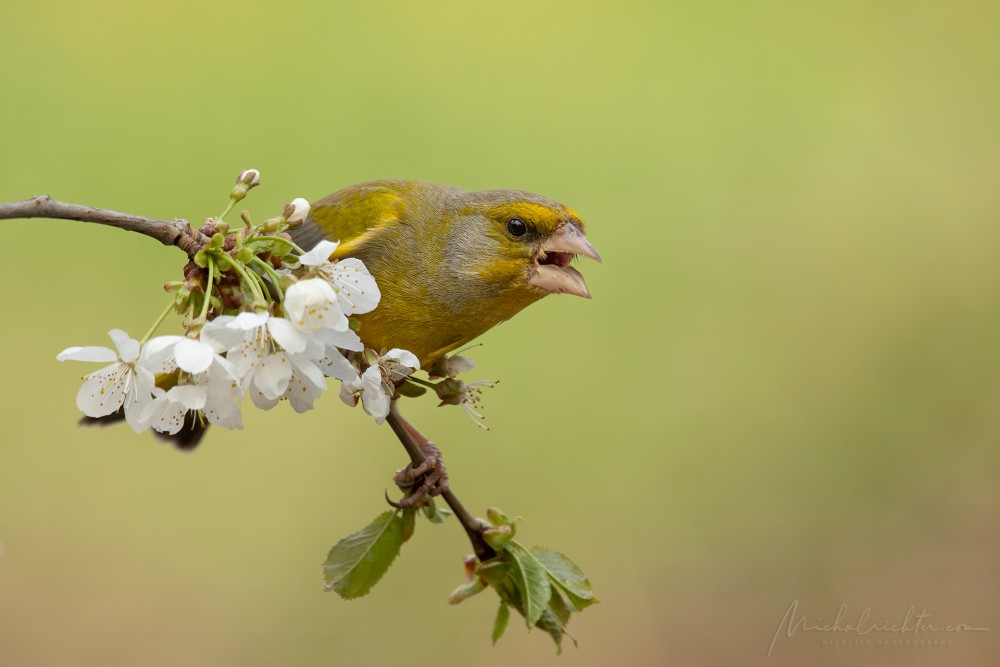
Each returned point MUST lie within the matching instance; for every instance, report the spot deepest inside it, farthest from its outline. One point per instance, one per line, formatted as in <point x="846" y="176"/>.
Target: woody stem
<point x="473" y="526"/>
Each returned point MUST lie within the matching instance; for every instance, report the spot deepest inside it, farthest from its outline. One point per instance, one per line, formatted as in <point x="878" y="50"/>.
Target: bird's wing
<point x="353" y="216"/>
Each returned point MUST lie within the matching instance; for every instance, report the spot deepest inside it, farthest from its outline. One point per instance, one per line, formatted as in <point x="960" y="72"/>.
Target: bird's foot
<point x="428" y="479"/>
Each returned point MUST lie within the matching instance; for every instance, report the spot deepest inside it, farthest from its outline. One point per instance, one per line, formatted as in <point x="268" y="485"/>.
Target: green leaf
<point x="434" y="513"/>
<point x="567" y="575"/>
<point x="409" y="523"/>
<point x="500" y="624"/>
<point x="555" y="618"/>
<point x="357" y="562"/>
<point x="531" y="580"/>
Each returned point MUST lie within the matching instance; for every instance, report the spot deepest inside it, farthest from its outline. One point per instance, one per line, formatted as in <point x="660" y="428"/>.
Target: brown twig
<point x="168" y="233"/>
<point x="473" y="526"/>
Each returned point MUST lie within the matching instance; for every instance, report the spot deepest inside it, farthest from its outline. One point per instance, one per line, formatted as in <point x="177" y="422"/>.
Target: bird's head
<point x="525" y="242"/>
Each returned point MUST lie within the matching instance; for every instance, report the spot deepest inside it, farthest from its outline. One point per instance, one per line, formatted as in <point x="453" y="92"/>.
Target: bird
<point x="450" y="263"/>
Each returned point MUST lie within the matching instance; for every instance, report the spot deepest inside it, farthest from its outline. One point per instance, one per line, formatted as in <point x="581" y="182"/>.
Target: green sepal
<point x="410" y="389"/>
<point x="500" y="624"/>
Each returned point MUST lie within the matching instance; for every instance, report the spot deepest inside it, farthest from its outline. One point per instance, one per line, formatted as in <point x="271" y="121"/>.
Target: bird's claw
<point x="428" y="479"/>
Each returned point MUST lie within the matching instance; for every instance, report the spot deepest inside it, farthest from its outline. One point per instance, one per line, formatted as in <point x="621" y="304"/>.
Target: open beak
<point x="551" y="270"/>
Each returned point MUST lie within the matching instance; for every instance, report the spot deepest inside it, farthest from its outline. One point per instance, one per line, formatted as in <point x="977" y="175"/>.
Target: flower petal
<point x="220" y="335"/>
<point x="336" y="366"/>
<point x="193" y="356"/>
<point x="104" y="392"/>
<point x="287" y="336"/>
<point x="128" y="347"/>
<point x="345" y="340"/>
<point x="89" y="353"/>
<point x="271" y="379"/>
<point x="248" y="321"/>
<point x="374" y="398"/>
<point x="320" y="253"/>
<point x="358" y="292"/>
<point x="404" y="357"/>
<point x="158" y="354"/>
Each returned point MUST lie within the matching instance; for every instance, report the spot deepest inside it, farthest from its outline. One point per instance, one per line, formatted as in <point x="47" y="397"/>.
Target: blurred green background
<point x="785" y="387"/>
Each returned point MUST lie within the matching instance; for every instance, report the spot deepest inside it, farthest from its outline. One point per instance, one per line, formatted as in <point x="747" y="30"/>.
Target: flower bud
<point x="249" y="177"/>
<point x="497" y="517"/>
<point x="498" y="537"/>
<point x="244" y="255"/>
<point x="222" y="226"/>
<point x="296" y="211"/>
<point x="466" y="591"/>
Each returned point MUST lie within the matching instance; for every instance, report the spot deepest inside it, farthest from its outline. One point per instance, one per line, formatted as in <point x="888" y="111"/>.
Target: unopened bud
<point x="296" y="211"/>
<point x="466" y="591"/>
<point x="222" y="226"/>
<point x="249" y="177"/>
<point x="497" y="517"/>
<point x="244" y="255"/>
<point x="498" y="537"/>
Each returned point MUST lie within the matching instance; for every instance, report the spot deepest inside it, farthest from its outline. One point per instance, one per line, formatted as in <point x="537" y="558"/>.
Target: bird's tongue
<point x="560" y="279"/>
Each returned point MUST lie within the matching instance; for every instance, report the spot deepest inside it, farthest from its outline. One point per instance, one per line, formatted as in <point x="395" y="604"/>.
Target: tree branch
<point x="180" y="234"/>
<point x="473" y="526"/>
<point x="168" y="233"/>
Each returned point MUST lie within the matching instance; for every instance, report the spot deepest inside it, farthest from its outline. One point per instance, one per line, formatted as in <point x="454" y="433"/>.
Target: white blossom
<point x="312" y="305"/>
<point x="377" y="384"/>
<point x="356" y="289"/>
<point x="166" y="414"/>
<point x="123" y="383"/>
<point x="369" y="388"/>
<point x="204" y="367"/>
<point x="273" y="359"/>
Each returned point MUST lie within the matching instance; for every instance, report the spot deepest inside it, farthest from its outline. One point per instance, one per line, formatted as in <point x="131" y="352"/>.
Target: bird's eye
<point x="516" y="227"/>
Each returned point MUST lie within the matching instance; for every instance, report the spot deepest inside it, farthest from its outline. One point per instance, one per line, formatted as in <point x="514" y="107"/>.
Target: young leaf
<point x="357" y="562"/>
<point x="555" y="618"/>
<point x="409" y="523"/>
<point x="500" y="624"/>
<point x="434" y="513"/>
<point x="531" y="580"/>
<point x="565" y="574"/>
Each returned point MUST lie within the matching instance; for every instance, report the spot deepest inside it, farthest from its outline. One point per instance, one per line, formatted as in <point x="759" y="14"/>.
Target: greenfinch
<point x="450" y="263"/>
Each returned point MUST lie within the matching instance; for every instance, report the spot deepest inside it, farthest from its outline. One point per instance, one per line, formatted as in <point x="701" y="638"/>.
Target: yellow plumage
<point x="450" y="263"/>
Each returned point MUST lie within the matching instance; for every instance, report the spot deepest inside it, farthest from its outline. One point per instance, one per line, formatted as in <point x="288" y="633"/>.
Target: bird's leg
<point x="473" y="527"/>
<point x="425" y="475"/>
